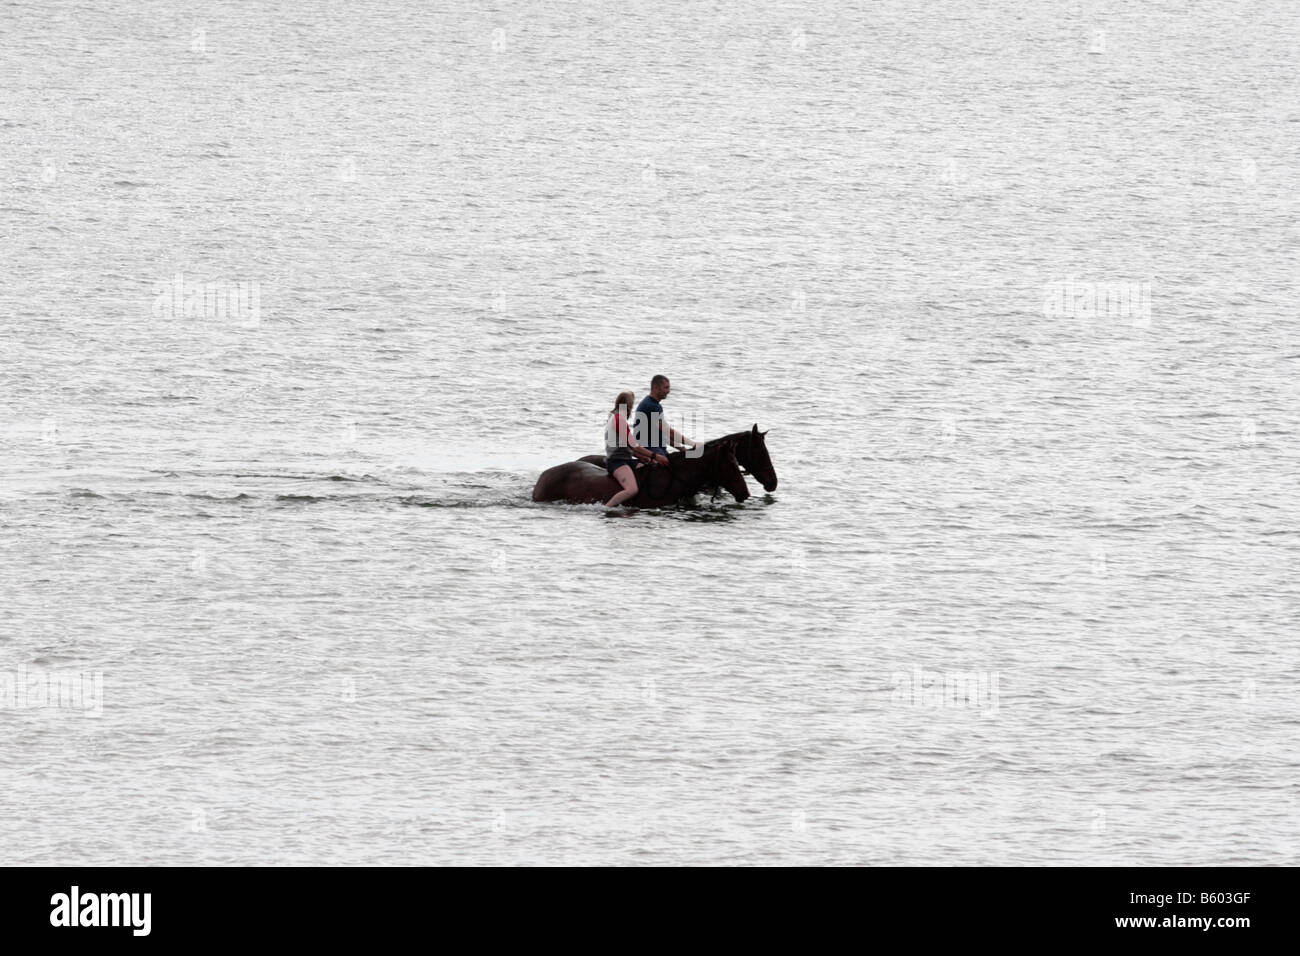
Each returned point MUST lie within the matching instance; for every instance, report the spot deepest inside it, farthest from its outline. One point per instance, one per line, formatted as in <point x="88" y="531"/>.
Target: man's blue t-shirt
<point x="650" y="426"/>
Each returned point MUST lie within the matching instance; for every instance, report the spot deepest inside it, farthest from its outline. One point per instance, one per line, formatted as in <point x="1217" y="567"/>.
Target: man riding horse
<point x="651" y="429"/>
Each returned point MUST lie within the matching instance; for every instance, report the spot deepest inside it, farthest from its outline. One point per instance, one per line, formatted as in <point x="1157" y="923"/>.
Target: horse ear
<point x="763" y="434"/>
<point x="755" y="428"/>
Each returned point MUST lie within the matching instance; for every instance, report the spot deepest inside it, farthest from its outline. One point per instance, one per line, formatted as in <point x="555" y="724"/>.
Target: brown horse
<point x="751" y="453"/>
<point x="581" y="482"/>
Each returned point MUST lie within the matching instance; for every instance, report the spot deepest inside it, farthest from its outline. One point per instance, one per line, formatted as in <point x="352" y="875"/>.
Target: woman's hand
<point x="659" y="459"/>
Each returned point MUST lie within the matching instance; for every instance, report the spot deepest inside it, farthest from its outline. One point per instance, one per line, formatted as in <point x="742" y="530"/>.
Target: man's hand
<point x="659" y="459"/>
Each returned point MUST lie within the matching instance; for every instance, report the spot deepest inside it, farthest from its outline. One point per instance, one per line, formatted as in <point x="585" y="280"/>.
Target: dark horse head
<point x="751" y="453"/>
<point x="725" y="471"/>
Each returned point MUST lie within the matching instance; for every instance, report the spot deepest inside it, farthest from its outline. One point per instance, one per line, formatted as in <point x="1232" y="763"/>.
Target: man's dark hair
<point x="659" y="380"/>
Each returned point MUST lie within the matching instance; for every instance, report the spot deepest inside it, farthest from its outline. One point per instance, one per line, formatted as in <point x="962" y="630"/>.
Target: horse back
<point x="577" y="481"/>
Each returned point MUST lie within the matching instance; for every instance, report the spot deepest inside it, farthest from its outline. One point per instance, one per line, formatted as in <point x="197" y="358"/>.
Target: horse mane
<point x="735" y="438"/>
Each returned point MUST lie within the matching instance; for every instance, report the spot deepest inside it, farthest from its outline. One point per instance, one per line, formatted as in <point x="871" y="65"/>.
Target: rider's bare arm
<point x="638" y="451"/>
<point x="678" y="440"/>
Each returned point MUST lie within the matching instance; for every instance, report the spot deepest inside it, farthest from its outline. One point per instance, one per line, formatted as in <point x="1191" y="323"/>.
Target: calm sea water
<point x="274" y="590"/>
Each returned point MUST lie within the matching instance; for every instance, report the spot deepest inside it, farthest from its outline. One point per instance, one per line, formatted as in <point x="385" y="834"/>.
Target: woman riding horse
<point x="622" y="450"/>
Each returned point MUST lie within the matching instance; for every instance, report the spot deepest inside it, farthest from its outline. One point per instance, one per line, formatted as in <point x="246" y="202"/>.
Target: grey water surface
<point x="296" y="302"/>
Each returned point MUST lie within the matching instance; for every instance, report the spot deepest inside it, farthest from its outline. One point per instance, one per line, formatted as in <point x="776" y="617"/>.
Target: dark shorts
<point x="613" y="463"/>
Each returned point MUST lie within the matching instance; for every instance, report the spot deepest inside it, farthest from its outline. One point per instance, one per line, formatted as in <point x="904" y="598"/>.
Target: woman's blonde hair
<point x="625" y="399"/>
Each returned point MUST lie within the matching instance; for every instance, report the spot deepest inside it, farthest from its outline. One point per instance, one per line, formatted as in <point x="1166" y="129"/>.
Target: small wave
<point x="285" y="476"/>
<point x="53" y="660"/>
<point x="420" y="501"/>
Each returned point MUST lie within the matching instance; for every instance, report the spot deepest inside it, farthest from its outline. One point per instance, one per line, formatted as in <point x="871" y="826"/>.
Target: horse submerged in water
<point x="582" y="482"/>
<point x="750" y="449"/>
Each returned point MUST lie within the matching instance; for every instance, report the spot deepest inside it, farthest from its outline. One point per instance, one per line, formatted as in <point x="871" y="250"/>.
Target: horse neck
<point x="739" y="439"/>
<point x="695" y="473"/>
<point x="709" y="464"/>
<point x="740" y="442"/>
